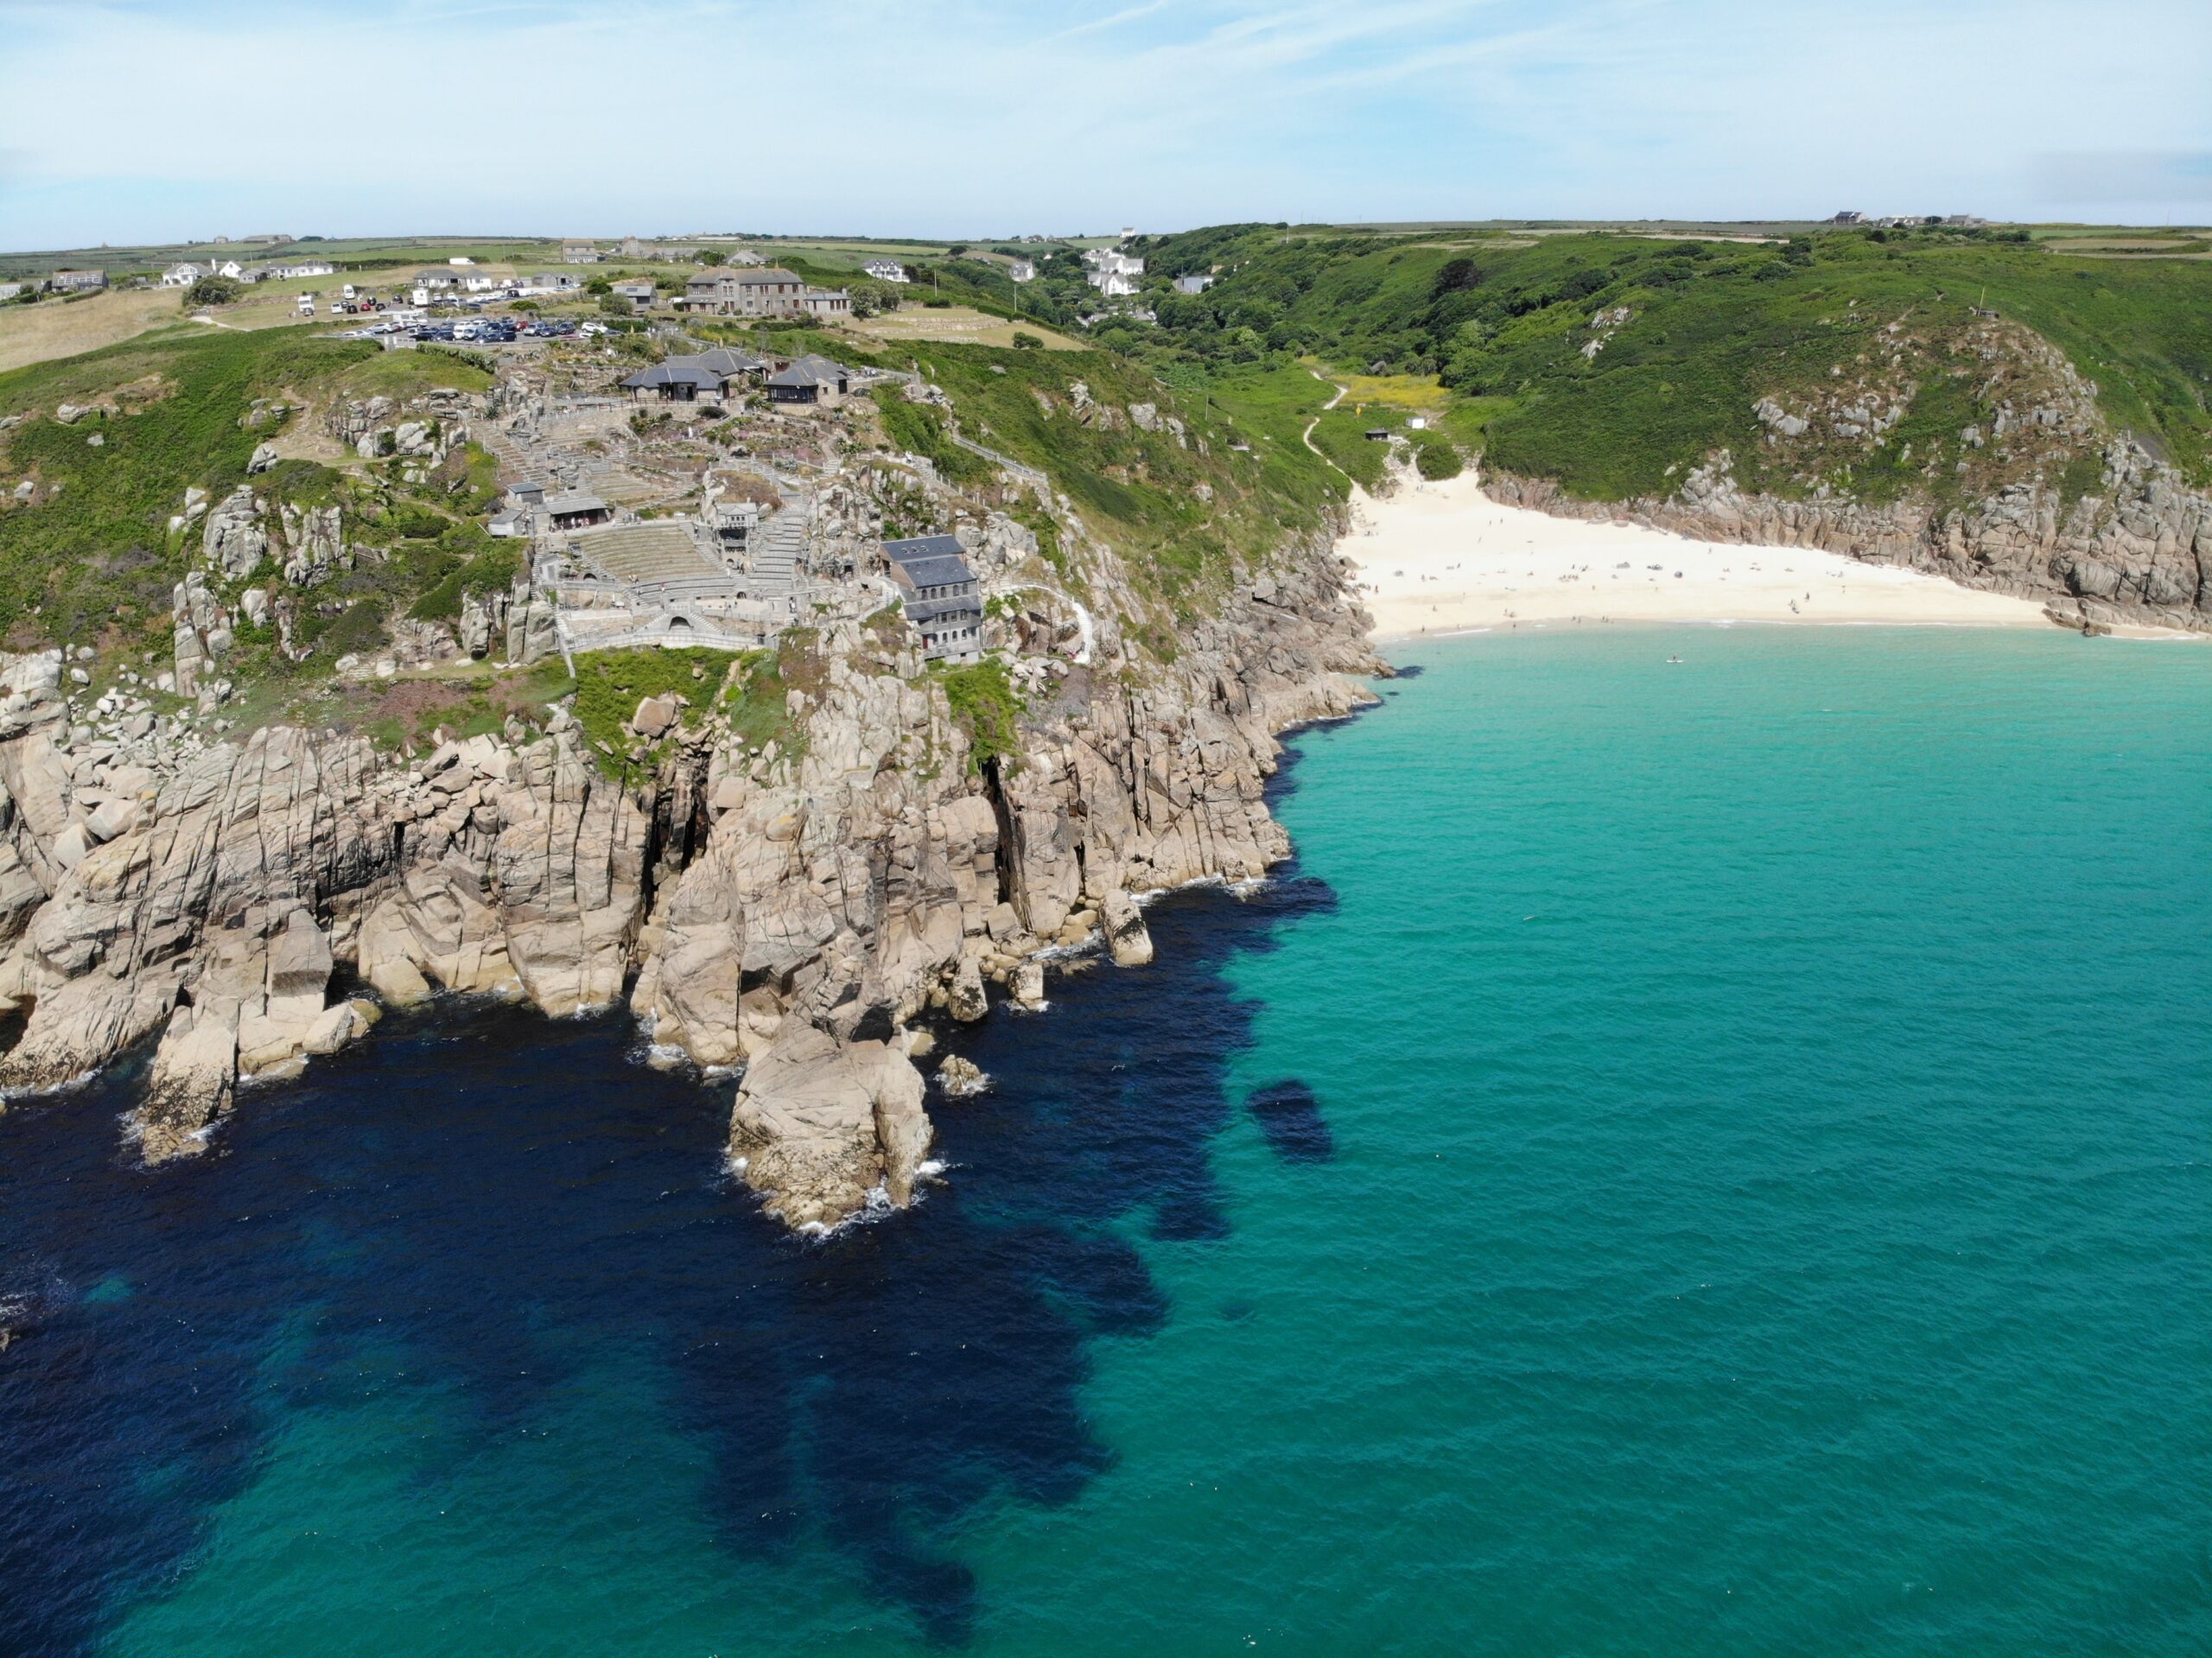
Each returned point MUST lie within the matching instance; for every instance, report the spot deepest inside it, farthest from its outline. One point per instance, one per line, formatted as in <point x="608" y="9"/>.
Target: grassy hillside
<point x="90" y="555"/>
<point x="1141" y="490"/>
<point x="1712" y="327"/>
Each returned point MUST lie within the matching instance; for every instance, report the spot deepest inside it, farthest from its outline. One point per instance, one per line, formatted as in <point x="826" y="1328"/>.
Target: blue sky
<point x="124" y="123"/>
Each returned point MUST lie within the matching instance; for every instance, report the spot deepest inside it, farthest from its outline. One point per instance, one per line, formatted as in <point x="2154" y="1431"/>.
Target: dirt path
<point x="1308" y="432"/>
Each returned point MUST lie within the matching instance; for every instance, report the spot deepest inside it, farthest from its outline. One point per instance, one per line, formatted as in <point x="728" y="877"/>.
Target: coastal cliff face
<point x="793" y="911"/>
<point x="2041" y="497"/>
<point x="2139" y="553"/>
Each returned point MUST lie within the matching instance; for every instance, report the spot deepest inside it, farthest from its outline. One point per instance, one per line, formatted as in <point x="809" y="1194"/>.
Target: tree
<point x="598" y="287"/>
<point x="1027" y="341"/>
<point x="1455" y="275"/>
<point x="712" y="256"/>
<point x="212" y="290"/>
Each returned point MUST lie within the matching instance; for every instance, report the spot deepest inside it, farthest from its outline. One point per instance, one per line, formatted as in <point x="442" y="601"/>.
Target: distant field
<point x="957" y="325"/>
<point x="1417" y="392"/>
<point x="52" y="328"/>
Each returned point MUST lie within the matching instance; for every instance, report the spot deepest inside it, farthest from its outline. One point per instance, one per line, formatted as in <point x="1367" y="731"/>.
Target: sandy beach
<point x="1445" y="558"/>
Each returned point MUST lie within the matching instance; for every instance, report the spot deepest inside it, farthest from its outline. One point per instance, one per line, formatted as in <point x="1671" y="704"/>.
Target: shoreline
<point x="1444" y="559"/>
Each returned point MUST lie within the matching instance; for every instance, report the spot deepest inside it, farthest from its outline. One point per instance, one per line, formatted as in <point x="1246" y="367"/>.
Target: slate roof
<point x="676" y="371"/>
<point x="730" y="360"/>
<point x="810" y="370"/>
<point x="930" y="561"/>
<point x="574" y="501"/>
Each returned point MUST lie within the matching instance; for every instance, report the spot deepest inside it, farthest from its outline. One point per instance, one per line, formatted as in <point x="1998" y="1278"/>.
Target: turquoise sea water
<point x="1706" y="1158"/>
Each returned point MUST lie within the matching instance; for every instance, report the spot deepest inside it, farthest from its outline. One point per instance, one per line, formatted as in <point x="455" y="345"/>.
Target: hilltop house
<point x="940" y="595"/>
<point x="768" y="291"/>
<point x="810" y="379"/>
<point x="886" y="270"/>
<point x="580" y="253"/>
<point x="1107" y="262"/>
<point x="1112" y="274"/>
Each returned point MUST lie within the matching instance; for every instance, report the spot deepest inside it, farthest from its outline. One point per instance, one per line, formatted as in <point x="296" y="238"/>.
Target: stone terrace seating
<point x="650" y="555"/>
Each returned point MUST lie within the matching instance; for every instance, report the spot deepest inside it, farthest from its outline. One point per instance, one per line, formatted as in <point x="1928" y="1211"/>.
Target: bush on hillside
<point x="1437" y="460"/>
<point x="212" y="290"/>
<point x="983" y="701"/>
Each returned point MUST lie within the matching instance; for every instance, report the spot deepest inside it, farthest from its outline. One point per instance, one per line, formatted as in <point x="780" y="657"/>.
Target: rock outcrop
<point x="790" y="906"/>
<point x="2134" y="545"/>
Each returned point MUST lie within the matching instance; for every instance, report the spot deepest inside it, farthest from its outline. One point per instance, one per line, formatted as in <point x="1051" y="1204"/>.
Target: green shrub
<point x="984" y="702"/>
<point x="212" y="290"/>
<point x="1437" y="460"/>
<point x="611" y="683"/>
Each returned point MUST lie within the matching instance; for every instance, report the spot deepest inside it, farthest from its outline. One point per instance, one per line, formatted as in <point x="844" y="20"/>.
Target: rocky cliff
<point x="2039" y="497"/>
<point x="793" y="908"/>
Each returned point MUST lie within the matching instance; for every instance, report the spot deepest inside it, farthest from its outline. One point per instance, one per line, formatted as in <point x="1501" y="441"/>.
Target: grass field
<point x="52" y="328"/>
<point x="957" y="325"/>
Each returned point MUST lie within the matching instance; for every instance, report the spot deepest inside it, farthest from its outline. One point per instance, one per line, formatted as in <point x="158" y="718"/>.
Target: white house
<point x="886" y="270"/>
<point x="1107" y="262"/>
<point x="232" y="269"/>
<point x="1193" y="284"/>
<point x="1112" y="284"/>
<point x="479" y="284"/>
<point x="181" y="276"/>
<point x="1022" y="270"/>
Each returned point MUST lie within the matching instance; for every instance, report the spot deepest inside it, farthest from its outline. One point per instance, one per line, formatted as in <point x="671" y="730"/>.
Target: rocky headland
<point x="2049" y="500"/>
<point x="243" y="902"/>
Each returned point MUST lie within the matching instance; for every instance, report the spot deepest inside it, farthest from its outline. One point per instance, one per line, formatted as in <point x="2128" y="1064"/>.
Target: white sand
<point x="1445" y="558"/>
